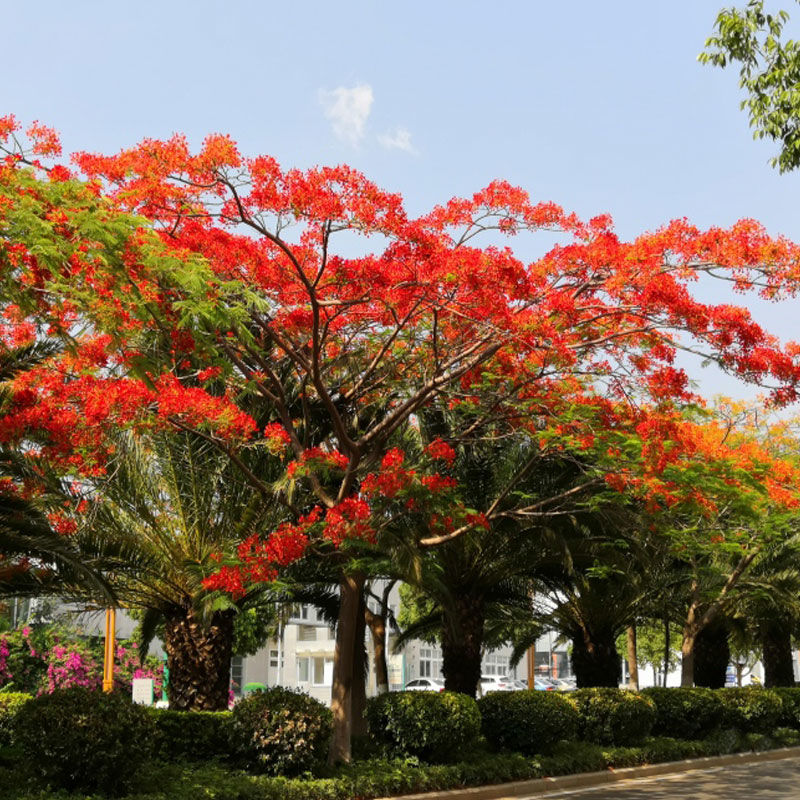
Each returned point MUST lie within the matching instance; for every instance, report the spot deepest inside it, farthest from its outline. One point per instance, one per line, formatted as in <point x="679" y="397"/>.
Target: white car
<point x="425" y="685"/>
<point x="496" y="683"/>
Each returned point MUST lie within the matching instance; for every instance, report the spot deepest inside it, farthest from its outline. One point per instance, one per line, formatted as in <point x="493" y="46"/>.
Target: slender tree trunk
<point x="377" y="627"/>
<point x="462" y="642"/>
<point x="633" y="659"/>
<point x="350" y="589"/>
<point x="776" y="644"/>
<point x="687" y="659"/>
<point x="595" y="660"/>
<point x="711" y="655"/>
<point x="667" y="649"/>
<point x="360" y="673"/>
<point x="198" y="659"/>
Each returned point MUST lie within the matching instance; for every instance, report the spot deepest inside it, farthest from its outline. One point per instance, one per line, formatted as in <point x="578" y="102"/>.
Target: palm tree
<point x="169" y="509"/>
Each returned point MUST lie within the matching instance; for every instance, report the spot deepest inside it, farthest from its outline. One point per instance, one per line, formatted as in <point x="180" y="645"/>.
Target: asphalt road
<point x="766" y="780"/>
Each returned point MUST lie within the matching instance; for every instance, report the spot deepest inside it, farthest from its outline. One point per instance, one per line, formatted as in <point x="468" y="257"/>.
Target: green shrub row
<point x="10" y="704"/>
<point x="381" y="778"/>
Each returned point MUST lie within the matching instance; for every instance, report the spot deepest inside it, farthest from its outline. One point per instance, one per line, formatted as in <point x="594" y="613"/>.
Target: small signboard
<point x="142" y="689"/>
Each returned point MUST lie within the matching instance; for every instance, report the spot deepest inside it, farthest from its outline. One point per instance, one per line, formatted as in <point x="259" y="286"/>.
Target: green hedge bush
<point x="751" y="709"/>
<point x="280" y="731"/>
<point x="790" y="698"/>
<point x="685" y="713"/>
<point x="80" y="739"/>
<point x="191" y="735"/>
<point x="614" y="716"/>
<point x="10" y="704"/>
<point x="434" y="726"/>
<point x="527" y="722"/>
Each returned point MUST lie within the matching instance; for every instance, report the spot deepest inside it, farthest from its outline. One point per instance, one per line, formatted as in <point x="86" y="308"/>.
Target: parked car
<point x="544" y="685"/>
<point x="425" y="685"/>
<point x="497" y="683"/>
<point x="564" y="684"/>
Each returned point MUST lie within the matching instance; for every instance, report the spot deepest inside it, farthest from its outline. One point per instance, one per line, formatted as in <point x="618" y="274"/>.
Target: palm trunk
<point x="198" y="659"/>
<point x="350" y="591"/>
<point x="776" y="644"/>
<point x="711" y="655"/>
<point x="462" y="642"/>
<point x="633" y="659"/>
<point x="595" y="660"/>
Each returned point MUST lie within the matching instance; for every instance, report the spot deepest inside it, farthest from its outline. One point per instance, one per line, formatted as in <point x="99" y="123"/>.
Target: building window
<point x="323" y="671"/>
<point x="494" y="664"/>
<point x="306" y="633"/>
<point x="237" y="674"/>
<point x="274" y="657"/>
<point x="302" y="670"/>
<point x="430" y="662"/>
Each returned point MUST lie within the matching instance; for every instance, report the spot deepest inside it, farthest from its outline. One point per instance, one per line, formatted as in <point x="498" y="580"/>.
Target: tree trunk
<point x="633" y="659"/>
<point x="595" y="660"/>
<point x="776" y="644"/>
<point x="377" y="627"/>
<point x="667" y="644"/>
<point x="687" y="660"/>
<point x="711" y="655"/>
<point x="462" y="641"/>
<point x="198" y="659"/>
<point x="360" y="673"/>
<point x="350" y="590"/>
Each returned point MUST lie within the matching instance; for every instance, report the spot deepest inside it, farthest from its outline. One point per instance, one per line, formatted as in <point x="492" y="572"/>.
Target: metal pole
<point x="110" y="647"/>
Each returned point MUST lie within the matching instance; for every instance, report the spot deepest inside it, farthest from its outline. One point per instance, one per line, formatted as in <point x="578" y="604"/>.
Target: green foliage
<point x="752" y="709"/>
<point x="790" y="698"/>
<point x="527" y="722"/>
<point x="614" y="716"/>
<point x="688" y="713"/>
<point x="10" y="704"/>
<point x="434" y="726"/>
<point x="769" y="72"/>
<point x="280" y="731"/>
<point x="191" y="735"/>
<point x="79" y="739"/>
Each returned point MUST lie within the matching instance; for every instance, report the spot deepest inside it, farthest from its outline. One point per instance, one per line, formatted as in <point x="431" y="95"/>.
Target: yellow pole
<point x="110" y="647"/>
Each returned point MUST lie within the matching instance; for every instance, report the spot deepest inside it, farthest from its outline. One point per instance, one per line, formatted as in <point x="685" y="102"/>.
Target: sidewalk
<point x="593" y="780"/>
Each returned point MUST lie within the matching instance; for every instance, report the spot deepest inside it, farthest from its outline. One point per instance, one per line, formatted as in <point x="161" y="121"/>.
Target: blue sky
<point x="601" y="107"/>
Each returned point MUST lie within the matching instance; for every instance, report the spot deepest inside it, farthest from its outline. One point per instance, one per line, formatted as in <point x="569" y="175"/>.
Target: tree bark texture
<point x="360" y="673"/>
<point x="350" y="591"/>
<point x="633" y="659"/>
<point x="776" y="645"/>
<point x="595" y="660"/>
<point x="377" y="627"/>
<point x="711" y="655"/>
<point x="198" y="659"/>
<point x="462" y="642"/>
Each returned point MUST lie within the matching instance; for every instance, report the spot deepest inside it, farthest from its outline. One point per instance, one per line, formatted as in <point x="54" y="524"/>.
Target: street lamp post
<point x="110" y="648"/>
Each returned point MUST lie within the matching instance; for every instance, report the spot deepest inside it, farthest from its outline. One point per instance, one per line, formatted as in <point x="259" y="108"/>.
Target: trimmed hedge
<point x="751" y="710"/>
<point x="614" y="716"/>
<point x="280" y="731"/>
<point x="191" y="735"/>
<point x="10" y="704"/>
<point x="527" y="722"/>
<point x="79" y="739"/>
<point x="688" y="713"/>
<point x="790" y="697"/>
<point x="435" y="726"/>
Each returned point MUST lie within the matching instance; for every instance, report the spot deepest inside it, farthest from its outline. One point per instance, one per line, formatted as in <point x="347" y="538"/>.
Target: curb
<point x="588" y="780"/>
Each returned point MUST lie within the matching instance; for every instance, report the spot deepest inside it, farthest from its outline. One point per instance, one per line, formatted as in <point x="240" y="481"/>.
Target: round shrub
<point x="433" y="726"/>
<point x="527" y="722"/>
<point x="10" y="704"/>
<point x="614" y="716"/>
<point x="280" y="731"/>
<point x="685" y="713"/>
<point x="790" y="698"/>
<point x="80" y="739"/>
<point x="191" y="735"/>
<point x="751" y="709"/>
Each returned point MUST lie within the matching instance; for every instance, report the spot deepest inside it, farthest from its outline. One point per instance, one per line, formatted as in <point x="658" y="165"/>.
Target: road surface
<point x="765" y="780"/>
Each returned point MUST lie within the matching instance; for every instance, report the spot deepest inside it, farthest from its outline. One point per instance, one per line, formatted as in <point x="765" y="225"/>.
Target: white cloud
<point x="399" y="140"/>
<point x="348" y="110"/>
